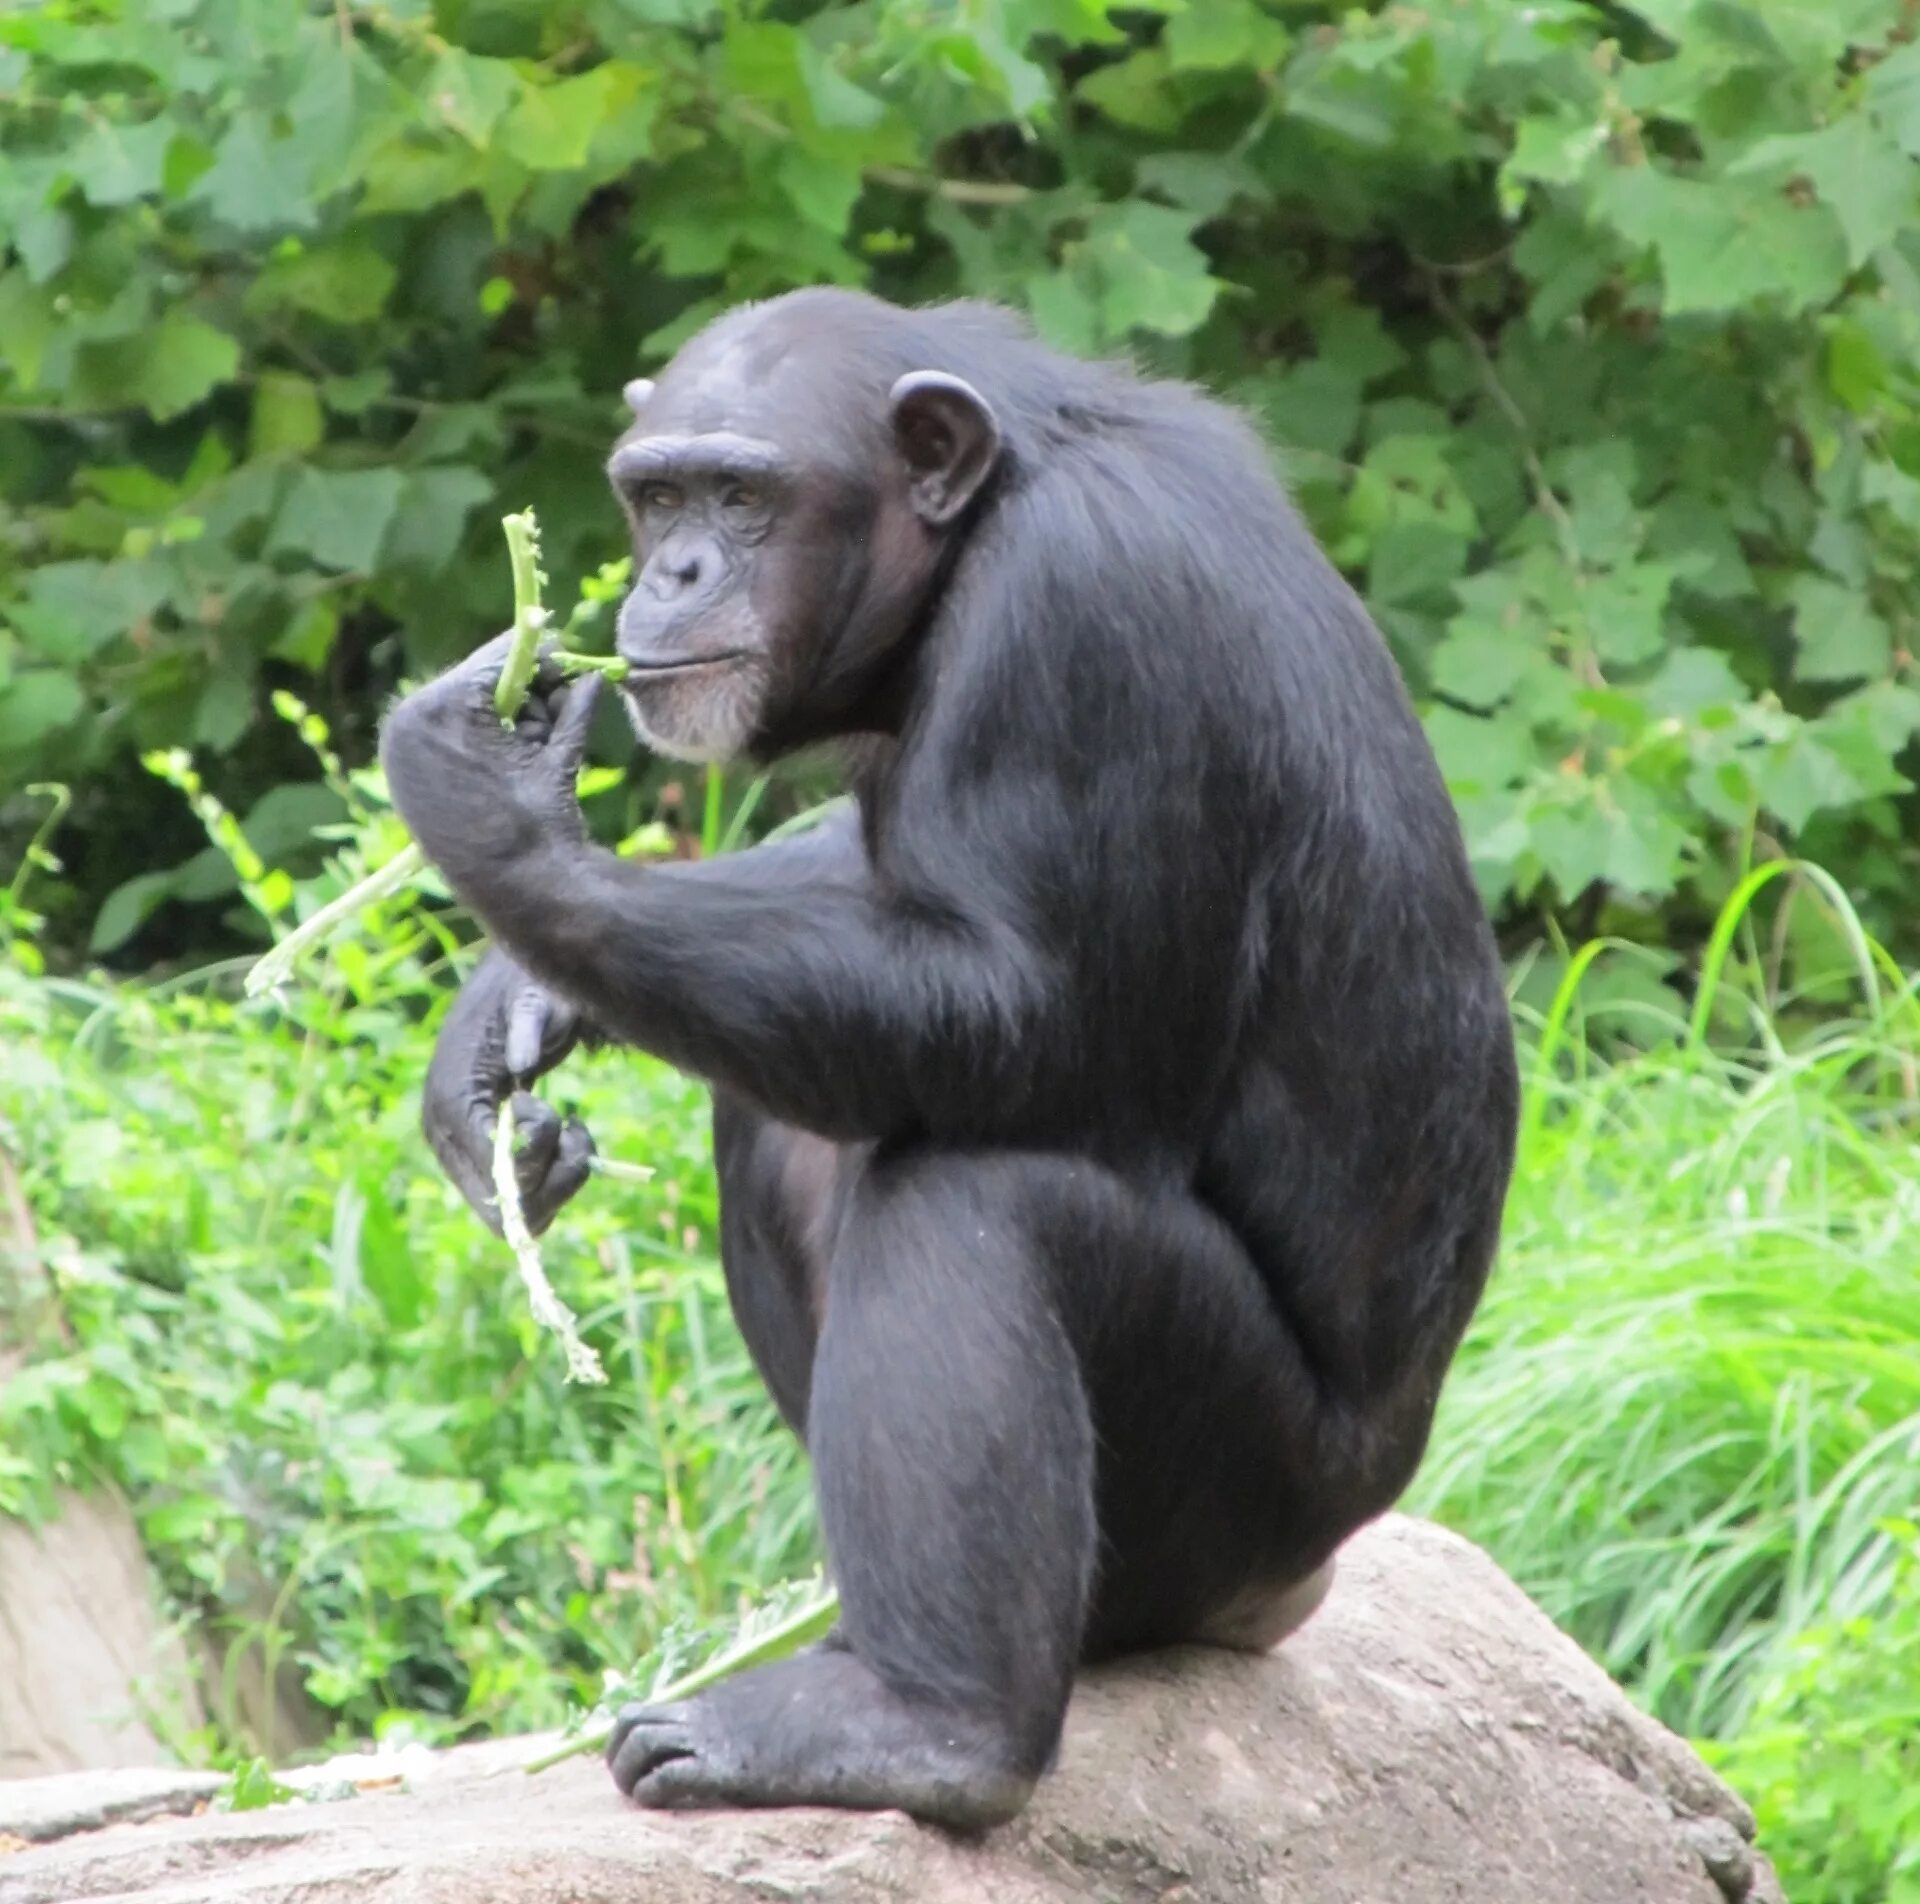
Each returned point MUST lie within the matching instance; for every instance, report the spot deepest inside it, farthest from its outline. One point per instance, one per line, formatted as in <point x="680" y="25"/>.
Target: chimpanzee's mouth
<point x="679" y="664"/>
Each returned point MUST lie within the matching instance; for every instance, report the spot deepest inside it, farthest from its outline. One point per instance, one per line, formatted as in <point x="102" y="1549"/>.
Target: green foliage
<point x="1831" y="1756"/>
<point x="253" y="1788"/>
<point x="1687" y="1418"/>
<point x="1587" y="336"/>
<point x="350" y="1448"/>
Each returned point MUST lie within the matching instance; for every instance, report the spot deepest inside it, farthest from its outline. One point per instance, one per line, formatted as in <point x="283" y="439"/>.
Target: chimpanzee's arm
<point x="834" y="1005"/>
<point x="827" y="1005"/>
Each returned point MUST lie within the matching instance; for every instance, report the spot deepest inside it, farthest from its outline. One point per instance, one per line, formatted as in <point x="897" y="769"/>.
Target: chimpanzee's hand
<point x="481" y="797"/>
<point x="505" y="1031"/>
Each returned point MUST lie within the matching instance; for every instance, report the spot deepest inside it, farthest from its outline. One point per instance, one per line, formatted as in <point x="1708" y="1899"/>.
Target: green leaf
<point x="1613" y="834"/>
<point x="1152" y="275"/>
<point x="1352" y="338"/>
<point x="432" y="517"/>
<point x="284" y="818"/>
<point x="1692" y="680"/>
<point x="1625" y="611"/>
<point x="1065" y="311"/>
<point x="408" y="176"/>
<point x="164" y="369"/>
<point x="337" y="518"/>
<point x="35" y="704"/>
<point x="1137" y="93"/>
<point x="28" y="325"/>
<point x="1479" y="664"/>
<point x="191" y="1517"/>
<point x="1801" y="777"/>
<point x="1725" y="243"/>
<point x="837" y="103"/>
<point x="127" y="908"/>
<point x="1856" y="169"/>
<point x="1415" y="563"/>
<point x="1838" y="636"/>
<point x="254" y="1787"/>
<point x="258" y="183"/>
<point x="552" y="128"/>
<point x="1572" y="842"/>
<point x="469" y="93"/>
<point x="1555" y="150"/>
<point x="1892" y="91"/>
<point x="116" y="164"/>
<point x="225" y="705"/>
<point x="1478" y="753"/>
<point x="345" y="283"/>
<point x="1206" y="183"/>
<point x="823" y="188"/>
<point x="287" y="416"/>
<point x="387" y="1263"/>
<point x="1313" y="405"/>
<point x="72" y="610"/>
<point x="1225" y="33"/>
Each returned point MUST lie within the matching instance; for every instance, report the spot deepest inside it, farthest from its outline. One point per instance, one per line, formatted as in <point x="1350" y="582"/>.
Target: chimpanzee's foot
<point x="818" y="1729"/>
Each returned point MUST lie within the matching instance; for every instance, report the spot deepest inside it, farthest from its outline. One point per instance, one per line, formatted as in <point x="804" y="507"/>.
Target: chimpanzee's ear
<point x="637" y="392"/>
<point x="950" y="439"/>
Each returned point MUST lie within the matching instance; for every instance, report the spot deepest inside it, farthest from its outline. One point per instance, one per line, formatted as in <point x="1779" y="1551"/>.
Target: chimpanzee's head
<point x="793" y="496"/>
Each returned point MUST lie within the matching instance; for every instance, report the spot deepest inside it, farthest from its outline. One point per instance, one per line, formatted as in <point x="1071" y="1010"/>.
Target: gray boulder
<point x="1429" y="1737"/>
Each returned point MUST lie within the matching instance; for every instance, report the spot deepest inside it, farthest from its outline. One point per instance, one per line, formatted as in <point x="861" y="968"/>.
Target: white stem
<point x="548" y="1310"/>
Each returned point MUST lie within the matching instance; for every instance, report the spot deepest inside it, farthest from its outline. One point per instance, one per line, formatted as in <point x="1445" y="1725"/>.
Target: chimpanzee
<point x="1112" y="1115"/>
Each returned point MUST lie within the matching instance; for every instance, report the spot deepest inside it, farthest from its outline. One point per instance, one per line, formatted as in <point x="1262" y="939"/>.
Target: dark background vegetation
<point x="1586" y="335"/>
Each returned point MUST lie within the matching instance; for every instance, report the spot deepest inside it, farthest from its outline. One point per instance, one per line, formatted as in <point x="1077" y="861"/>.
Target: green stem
<point x="529" y="618"/>
<point x="276" y="966"/>
<point x="808" y="1622"/>
<point x="710" y="819"/>
<point x="609" y="667"/>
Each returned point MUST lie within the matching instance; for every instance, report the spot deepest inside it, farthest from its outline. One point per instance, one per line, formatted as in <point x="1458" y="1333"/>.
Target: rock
<point x="88" y="1673"/>
<point x="1429" y="1736"/>
<point x="37" y="1809"/>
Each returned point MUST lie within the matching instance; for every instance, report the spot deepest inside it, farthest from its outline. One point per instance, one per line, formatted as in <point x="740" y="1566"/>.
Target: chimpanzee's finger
<point x="572" y="1165"/>
<point x="573" y="717"/>
<point x="465" y="1151"/>
<point x="540" y="1031"/>
<point x="483" y="668"/>
<point x="536" y="1141"/>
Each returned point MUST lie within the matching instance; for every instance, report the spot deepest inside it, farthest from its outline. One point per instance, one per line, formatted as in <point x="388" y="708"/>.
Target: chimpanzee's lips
<point x="679" y="664"/>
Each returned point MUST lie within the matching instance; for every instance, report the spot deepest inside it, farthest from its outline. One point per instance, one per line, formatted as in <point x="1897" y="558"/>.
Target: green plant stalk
<point x="529" y="615"/>
<point x="276" y="965"/>
<point x="808" y="1622"/>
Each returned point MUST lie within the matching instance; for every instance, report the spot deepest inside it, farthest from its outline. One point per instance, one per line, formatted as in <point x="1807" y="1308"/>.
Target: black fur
<point x="1113" y="1124"/>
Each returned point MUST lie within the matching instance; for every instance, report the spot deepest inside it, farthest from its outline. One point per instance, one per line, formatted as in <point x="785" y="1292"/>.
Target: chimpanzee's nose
<point x="679" y="567"/>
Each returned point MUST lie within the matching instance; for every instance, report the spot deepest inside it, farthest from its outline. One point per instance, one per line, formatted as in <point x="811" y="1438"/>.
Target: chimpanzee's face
<point x="787" y="532"/>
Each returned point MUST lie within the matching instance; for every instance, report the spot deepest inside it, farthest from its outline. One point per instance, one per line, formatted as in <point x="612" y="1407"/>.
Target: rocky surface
<point x="1429" y="1737"/>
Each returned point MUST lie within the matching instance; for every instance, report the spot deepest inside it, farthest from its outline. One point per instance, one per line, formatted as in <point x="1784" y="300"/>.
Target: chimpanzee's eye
<point x="659" y="496"/>
<point x="741" y="496"/>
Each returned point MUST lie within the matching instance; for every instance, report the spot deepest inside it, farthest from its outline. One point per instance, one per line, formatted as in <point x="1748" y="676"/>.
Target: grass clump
<point x="1687" y="1417"/>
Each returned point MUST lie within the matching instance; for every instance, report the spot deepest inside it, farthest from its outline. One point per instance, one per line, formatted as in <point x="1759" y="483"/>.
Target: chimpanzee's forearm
<point x="834" y="1007"/>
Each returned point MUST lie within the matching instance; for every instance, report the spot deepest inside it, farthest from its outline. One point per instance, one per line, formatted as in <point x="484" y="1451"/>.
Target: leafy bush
<point x="1587" y="333"/>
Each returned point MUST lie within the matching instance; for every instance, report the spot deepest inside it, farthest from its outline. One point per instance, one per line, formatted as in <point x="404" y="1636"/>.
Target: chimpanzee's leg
<point x="975" y="1304"/>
